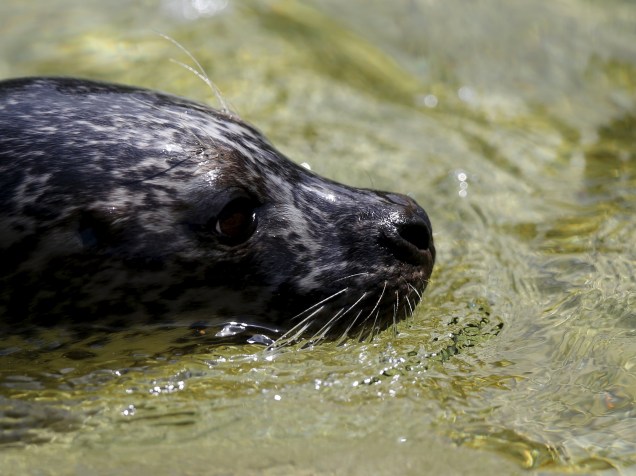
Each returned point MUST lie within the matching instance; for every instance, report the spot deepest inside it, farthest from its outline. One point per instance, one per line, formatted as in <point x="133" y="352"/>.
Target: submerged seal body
<point x="120" y="205"/>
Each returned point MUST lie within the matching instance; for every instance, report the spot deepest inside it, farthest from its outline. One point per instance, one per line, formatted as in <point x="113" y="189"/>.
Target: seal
<point x="120" y="205"/>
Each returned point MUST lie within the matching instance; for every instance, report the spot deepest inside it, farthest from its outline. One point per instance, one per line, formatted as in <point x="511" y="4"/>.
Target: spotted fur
<point x="105" y="193"/>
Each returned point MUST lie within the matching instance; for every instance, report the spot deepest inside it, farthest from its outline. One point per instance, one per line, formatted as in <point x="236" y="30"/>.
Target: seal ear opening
<point x="94" y="230"/>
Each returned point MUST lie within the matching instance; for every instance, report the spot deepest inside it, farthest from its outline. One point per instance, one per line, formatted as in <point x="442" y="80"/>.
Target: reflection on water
<point x="511" y="123"/>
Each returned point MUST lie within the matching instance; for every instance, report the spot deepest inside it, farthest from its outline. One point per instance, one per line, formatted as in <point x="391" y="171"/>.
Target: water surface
<point x="512" y="123"/>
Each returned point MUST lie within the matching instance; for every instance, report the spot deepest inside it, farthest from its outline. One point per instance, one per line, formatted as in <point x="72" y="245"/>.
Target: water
<point x="512" y="123"/>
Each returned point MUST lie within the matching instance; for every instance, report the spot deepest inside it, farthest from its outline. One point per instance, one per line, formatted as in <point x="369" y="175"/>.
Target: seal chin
<point x="157" y="209"/>
<point x="363" y="313"/>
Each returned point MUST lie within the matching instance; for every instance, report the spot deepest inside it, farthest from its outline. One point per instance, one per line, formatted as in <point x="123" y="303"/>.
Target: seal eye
<point x="237" y="221"/>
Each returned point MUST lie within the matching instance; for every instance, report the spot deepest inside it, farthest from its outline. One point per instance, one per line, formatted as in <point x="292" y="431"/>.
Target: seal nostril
<point x="417" y="234"/>
<point x="410" y="242"/>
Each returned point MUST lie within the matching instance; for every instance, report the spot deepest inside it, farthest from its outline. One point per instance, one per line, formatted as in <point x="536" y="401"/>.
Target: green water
<point x="513" y="124"/>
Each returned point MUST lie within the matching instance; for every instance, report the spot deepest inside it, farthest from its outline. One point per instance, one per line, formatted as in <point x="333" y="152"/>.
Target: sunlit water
<point x="512" y="123"/>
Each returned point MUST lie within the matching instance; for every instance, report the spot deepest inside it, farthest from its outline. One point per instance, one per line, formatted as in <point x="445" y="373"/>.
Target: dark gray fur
<point x="107" y="192"/>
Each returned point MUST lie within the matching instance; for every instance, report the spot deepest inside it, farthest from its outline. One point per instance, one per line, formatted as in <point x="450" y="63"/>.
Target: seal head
<point x="121" y="205"/>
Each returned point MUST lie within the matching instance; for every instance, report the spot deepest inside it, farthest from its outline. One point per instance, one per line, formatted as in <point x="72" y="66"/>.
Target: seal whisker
<point x="162" y="172"/>
<point x="377" y="303"/>
<point x="321" y="303"/>
<point x="321" y="333"/>
<point x="396" y="308"/>
<point x="353" y="321"/>
<point x="201" y="74"/>
<point x="366" y="273"/>
<point x="341" y="313"/>
<point x="324" y="331"/>
<point x="414" y="289"/>
<point x="293" y="335"/>
<point x="410" y="306"/>
<point x="364" y="328"/>
<point x="306" y="320"/>
<point x="187" y="127"/>
<point x="395" y="320"/>
<point x="374" y="326"/>
<point x="298" y="330"/>
<point x="345" y="333"/>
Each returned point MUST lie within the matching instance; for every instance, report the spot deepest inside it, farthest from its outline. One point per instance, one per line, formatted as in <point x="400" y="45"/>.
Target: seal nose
<point x="407" y="233"/>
